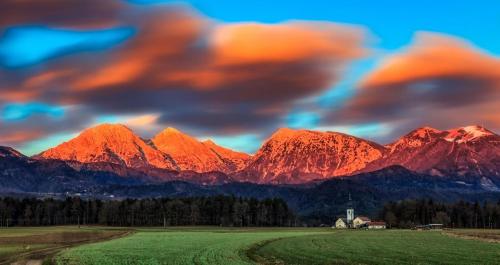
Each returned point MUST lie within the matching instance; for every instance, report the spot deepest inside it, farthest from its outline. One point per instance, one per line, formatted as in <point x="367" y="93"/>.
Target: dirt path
<point x="483" y="236"/>
<point x="61" y="240"/>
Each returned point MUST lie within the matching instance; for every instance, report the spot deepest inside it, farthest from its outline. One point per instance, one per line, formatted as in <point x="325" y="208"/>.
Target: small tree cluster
<point x="408" y="213"/>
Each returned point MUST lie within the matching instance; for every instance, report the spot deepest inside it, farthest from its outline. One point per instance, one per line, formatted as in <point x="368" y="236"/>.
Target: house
<point x="376" y="225"/>
<point x="360" y="221"/>
<point x="341" y="223"/>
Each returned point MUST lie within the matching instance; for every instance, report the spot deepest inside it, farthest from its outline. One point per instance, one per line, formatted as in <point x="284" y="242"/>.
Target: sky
<point x="236" y="71"/>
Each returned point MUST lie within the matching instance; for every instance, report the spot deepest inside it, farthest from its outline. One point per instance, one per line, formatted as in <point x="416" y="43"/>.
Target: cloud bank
<point x="203" y="75"/>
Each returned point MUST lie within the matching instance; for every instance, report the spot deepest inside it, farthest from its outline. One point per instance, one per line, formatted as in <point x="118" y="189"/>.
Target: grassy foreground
<point x="22" y="244"/>
<point x="380" y="247"/>
<point x="205" y="246"/>
<point x="284" y="246"/>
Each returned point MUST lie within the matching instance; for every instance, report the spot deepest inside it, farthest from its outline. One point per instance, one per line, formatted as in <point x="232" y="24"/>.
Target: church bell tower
<point x="350" y="211"/>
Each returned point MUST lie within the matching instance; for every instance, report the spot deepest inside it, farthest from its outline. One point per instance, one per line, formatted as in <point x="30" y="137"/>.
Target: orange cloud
<point x="44" y="78"/>
<point x="250" y="51"/>
<point x="114" y="74"/>
<point x="18" y="137"/>
<point x="142" y="120"/>
<point x="32" y="87"/>
<point x="434" y="56"/>
<point x="248" y="43"/>
<point x="180" y="55"/>
<point x="181" y="50"/>
<point x="162" y="37"/>
<point x="18" y="95"/>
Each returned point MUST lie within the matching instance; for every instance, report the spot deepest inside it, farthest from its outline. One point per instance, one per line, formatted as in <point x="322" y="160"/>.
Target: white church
<point x="359" y="221"/>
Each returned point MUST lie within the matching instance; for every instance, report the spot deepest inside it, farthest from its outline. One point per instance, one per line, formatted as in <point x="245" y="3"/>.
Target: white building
<point x="360" y="221"/>
<point x="346" y="222"/>
<point x="341" y="223"/>
<point x="350" y="215"/>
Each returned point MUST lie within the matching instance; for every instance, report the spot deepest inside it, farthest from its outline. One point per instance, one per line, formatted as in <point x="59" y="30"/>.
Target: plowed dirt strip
<point x="487" y="235"/>
<point x="33" y="249"/>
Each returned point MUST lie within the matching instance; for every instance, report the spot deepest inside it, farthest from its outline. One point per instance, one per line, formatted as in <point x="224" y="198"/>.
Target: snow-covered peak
<point x="466" y="134"/>
<point x="477" y="130"/>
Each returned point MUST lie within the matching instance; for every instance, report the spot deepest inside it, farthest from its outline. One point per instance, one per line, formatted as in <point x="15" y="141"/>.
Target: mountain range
<point x="313" y="171"/>
<point x="169" y="150"/>
<point x="287" y="157"/>
<point x="466" y="151"/>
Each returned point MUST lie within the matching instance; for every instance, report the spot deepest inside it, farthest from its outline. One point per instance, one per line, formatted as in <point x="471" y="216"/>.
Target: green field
<point x="205" y="246"/>
<point x="381" y="247"/>
<point x="284" y="246"/>
<point x="39" y="243"/>
<point x="209" y="245"/>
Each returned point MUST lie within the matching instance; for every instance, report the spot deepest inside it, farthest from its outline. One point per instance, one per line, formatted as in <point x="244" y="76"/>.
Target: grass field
<point x="380" y="247"/>
<point x="200" y="246"/>
<point x="284" y="246"/>
<point x="38" y="243"/>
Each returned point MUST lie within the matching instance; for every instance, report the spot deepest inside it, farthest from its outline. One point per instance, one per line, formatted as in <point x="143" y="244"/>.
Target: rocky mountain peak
<point x="191" y="154"/>
<point x="445" y="152"/>
<point x="467" y="133"/>
<point x="416" y="138"/>
<point x="297" y="156"/>
<point x="112" y="143"/>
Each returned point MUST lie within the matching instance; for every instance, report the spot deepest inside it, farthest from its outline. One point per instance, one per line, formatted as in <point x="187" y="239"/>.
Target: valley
<point x="214" y="245"/>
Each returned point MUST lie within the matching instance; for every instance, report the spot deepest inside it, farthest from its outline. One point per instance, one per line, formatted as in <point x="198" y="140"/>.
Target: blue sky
<point x="28" y="49"/>
<point x="392" y="22"/>
<point x="17" y="50"/>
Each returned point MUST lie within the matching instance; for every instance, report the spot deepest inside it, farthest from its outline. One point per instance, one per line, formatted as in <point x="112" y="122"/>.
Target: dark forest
<point x="216" y="210"/>
<point x="408" y="213"/>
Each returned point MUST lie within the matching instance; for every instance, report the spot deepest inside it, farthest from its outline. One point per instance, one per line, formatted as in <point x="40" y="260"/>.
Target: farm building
<point x="360" y="221"/>
<point x="376" y="225"/>
<point x="429" y="227"/>
<point x="341" y="223"/>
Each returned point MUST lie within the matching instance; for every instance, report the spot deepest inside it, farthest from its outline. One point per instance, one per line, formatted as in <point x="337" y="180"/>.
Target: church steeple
<point x="350" y="211"/>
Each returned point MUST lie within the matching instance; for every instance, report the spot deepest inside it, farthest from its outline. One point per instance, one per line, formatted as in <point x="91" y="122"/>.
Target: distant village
<point x="358" y="222"/>
<point x="363" y="222"/>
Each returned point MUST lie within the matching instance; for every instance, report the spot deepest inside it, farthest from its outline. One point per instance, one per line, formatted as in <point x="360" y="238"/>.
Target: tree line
<point x="215" y="210"/>
<point x="409" y="213"/>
